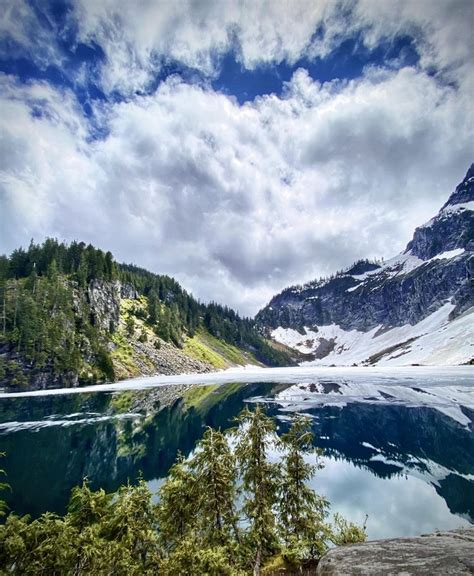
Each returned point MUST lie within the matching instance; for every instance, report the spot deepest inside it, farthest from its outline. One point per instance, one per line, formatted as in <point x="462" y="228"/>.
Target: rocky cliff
<point x="108" y="322"/>
<point x="381" y="311"/>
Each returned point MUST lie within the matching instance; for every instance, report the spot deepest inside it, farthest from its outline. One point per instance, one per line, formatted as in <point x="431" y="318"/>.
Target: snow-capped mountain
<point x="416" y="308"/>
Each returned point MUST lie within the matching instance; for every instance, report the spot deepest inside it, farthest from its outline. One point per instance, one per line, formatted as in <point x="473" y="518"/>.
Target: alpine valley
<point x="71" y="316"/>
<point x="414" y="309"/>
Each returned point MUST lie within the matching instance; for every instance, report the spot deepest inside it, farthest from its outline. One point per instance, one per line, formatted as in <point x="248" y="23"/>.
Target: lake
<point x="398" y="444"/>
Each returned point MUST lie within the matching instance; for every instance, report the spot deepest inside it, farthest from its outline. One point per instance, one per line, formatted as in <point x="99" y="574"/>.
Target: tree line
<point x="46" y="322"/>
<point x="227" y="510"/>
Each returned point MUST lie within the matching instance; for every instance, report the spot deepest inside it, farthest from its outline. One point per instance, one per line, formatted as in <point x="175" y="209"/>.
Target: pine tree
<point x="260" y="481"/>
<point x="302" y="511"/>
<point x="86" y="506"/>
<point x="133" y="525"/>
<point x="176" y="511"/>
<point x="82" y="271"/>
<point x="215" y="470"/>
<point x="152" y="307"/>
<point x="53" y="272"/>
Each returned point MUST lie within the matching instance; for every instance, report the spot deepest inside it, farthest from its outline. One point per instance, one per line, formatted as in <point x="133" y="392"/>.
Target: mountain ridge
<point x="371" y="298"/>
<point x="70" y="315"/>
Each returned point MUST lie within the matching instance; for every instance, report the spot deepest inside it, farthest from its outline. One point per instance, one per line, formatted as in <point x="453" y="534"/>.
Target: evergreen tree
<point x="193" y="528"/>
<point x="302" y="511"/>
<point x="109" y="264"/>
<point x="214" y="467"/>
<point x="53" y="272"/>
<point x="133" y="525"/>
<point x="152" y="307"/>
<point x="178" y="505"/>
<point x="260" y="480"/>
<point x="4" y="268"/>
<point x="82" y="271"/>
<point x="86" y="506"/>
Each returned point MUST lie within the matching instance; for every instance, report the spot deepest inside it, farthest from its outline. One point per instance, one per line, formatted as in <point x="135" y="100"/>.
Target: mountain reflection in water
<point x="410" y="468"/>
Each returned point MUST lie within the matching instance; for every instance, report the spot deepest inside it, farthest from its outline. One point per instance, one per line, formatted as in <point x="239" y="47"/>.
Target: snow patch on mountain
<point x="403" y="264"/>
<point x="447" y="255"/>
<point x="451" y="209"/>
<point x="433" y="341"/>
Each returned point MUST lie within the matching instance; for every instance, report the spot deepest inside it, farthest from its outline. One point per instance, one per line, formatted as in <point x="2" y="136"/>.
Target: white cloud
<point x="235" y="201"/>
<point x="22" y="34"/>
<point x="442" y="29"/>
<point x="138" y="37"/>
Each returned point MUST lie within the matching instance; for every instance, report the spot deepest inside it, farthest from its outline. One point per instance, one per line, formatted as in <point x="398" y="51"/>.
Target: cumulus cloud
<point x="139" y="37"/>
<point x="235" y="201"/>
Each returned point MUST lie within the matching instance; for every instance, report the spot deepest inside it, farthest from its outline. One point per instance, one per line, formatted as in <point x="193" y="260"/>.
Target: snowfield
<point x="433" y="341"/>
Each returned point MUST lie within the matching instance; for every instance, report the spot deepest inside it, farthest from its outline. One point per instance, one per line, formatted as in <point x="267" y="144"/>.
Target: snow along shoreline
<point x="375" y="375"/>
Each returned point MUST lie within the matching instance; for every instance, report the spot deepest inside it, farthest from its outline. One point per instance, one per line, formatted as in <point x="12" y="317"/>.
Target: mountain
<point x="70" y="315"/>
<point x="416" y="308"/>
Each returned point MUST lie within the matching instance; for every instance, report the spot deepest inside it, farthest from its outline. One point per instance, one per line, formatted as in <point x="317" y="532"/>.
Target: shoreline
<point x="250" y="374"/>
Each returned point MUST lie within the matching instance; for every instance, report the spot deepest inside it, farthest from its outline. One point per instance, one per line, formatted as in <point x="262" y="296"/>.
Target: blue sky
<point x="238" y="146"/>
<point x="229" y="75"/>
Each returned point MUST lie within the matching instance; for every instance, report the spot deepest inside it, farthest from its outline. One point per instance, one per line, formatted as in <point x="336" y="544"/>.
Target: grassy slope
<point x="125" y="357"/>
<point x="207" y="348"/>
<point x="204" y="347"/>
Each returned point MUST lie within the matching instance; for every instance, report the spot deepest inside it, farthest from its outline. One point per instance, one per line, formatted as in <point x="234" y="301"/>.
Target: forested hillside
<point x="71" y="315"/>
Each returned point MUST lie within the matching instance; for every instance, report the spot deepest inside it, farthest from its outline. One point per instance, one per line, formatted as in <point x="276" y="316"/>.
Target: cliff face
<point x="109" y="318"/>
<point x="435" y="269"/>
<point x="104" y="300"/>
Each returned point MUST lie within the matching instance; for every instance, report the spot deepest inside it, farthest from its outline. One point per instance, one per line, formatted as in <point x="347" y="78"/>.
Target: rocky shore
<point x="442" y="553"/>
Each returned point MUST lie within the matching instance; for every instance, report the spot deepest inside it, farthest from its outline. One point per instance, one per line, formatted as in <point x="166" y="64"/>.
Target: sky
<point x="239" y="146"/>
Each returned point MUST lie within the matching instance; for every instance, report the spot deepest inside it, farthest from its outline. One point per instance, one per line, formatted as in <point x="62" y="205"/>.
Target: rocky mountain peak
<point x="400" y="309"/>
<point x="464" y="191"/>
<point x="452" y="228"/>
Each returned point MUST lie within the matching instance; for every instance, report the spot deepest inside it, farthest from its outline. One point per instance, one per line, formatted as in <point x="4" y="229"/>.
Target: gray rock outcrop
<point x="435" y="268"/>
<point x="104" y="301"/>
<point x="443" y="553"/>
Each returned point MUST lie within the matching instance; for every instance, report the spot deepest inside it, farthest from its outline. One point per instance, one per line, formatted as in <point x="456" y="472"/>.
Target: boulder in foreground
<point x="447" y="553"/>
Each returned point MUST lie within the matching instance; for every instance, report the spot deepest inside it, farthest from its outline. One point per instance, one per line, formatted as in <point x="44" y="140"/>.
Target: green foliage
<point x="197" y="348"/>
<point x="196" y="528"/>
<point x="178" y="505"/>
<point x="51" y="258"/>
<point x="49" y="326"/>
<point x="214" y="467"/>
<point x="152" y="307"/>
<point x="260" y="480"/>
<point x="105" y="364"/>
<point x="222" y="322"/>
<point x="345" y="532"/>
<point x="207" y="348"/>
<point x="101" y="534"/>
<point x="122" y="402"/>
<point x="303" y="512"/>
<point x="3" y="486"/>
<point x="130" y="326"/>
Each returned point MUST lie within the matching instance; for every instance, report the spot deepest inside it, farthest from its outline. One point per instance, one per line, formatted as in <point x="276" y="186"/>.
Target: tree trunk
<point x="258" y="560"/>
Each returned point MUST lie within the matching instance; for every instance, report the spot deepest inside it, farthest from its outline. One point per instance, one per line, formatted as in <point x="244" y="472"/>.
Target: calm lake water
<point x="398" y="444"/>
